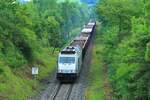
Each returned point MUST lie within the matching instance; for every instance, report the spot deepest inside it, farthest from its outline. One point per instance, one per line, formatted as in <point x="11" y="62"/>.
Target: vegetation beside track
<point x="95" y="90"/>
<point x="18" y="84"/>
<point x="125" y="37"/>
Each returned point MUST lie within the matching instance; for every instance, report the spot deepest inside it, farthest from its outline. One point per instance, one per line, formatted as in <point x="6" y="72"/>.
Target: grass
<point x="13" y="87"/>
<point x="19" y="84"/>
<point x="95" y="89"/>
<point x="49" y="61"/>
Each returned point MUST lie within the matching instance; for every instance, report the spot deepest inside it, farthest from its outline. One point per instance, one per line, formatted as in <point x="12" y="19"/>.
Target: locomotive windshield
<point x="67" y="60"/>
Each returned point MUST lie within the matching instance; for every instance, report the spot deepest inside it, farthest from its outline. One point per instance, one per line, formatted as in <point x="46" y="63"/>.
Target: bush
<point x="13" y="57"/>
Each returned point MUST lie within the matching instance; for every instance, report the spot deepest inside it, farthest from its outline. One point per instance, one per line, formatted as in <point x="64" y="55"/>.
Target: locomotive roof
<point x="86" y="30"/>
<point x="70" y="50"/>
<point x="91" y="23"/>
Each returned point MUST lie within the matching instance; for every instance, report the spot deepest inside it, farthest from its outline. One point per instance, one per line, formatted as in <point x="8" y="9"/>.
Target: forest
<point x="30" y="34"/>
<point x="125" y="42"/>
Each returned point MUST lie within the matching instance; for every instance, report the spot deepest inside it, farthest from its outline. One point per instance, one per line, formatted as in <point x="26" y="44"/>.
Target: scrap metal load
<point x="71" y="57"/>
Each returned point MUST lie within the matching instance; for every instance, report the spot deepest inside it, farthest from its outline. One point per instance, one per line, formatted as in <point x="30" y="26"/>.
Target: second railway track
<point x="61" y="92"/>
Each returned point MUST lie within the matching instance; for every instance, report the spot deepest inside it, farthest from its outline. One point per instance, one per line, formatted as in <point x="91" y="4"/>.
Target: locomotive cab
<point x="69" y="63"/>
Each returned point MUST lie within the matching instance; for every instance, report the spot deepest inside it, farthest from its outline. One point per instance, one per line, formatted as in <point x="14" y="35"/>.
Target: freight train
<point x="71" y="57"/>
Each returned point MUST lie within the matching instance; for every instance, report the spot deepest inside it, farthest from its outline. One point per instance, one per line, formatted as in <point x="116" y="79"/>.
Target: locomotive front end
<point x="68" y="64"/>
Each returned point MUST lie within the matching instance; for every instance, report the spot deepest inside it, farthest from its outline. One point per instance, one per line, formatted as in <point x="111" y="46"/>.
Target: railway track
<point x="61" y="92"/>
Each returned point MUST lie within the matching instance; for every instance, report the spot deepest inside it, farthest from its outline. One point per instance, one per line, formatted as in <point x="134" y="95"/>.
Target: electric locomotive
<point x="69" y="63"/>
<point x="71" y="57"/>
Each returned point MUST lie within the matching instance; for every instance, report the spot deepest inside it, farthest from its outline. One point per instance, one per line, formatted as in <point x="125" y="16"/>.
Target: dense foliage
<point x="126" y="40"/>
<point x="27" y="27"/>
<point x="29" y="32"/>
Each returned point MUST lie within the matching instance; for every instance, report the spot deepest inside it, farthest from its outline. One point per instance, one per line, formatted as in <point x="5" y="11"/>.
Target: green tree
<point x="126" y="38"/>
